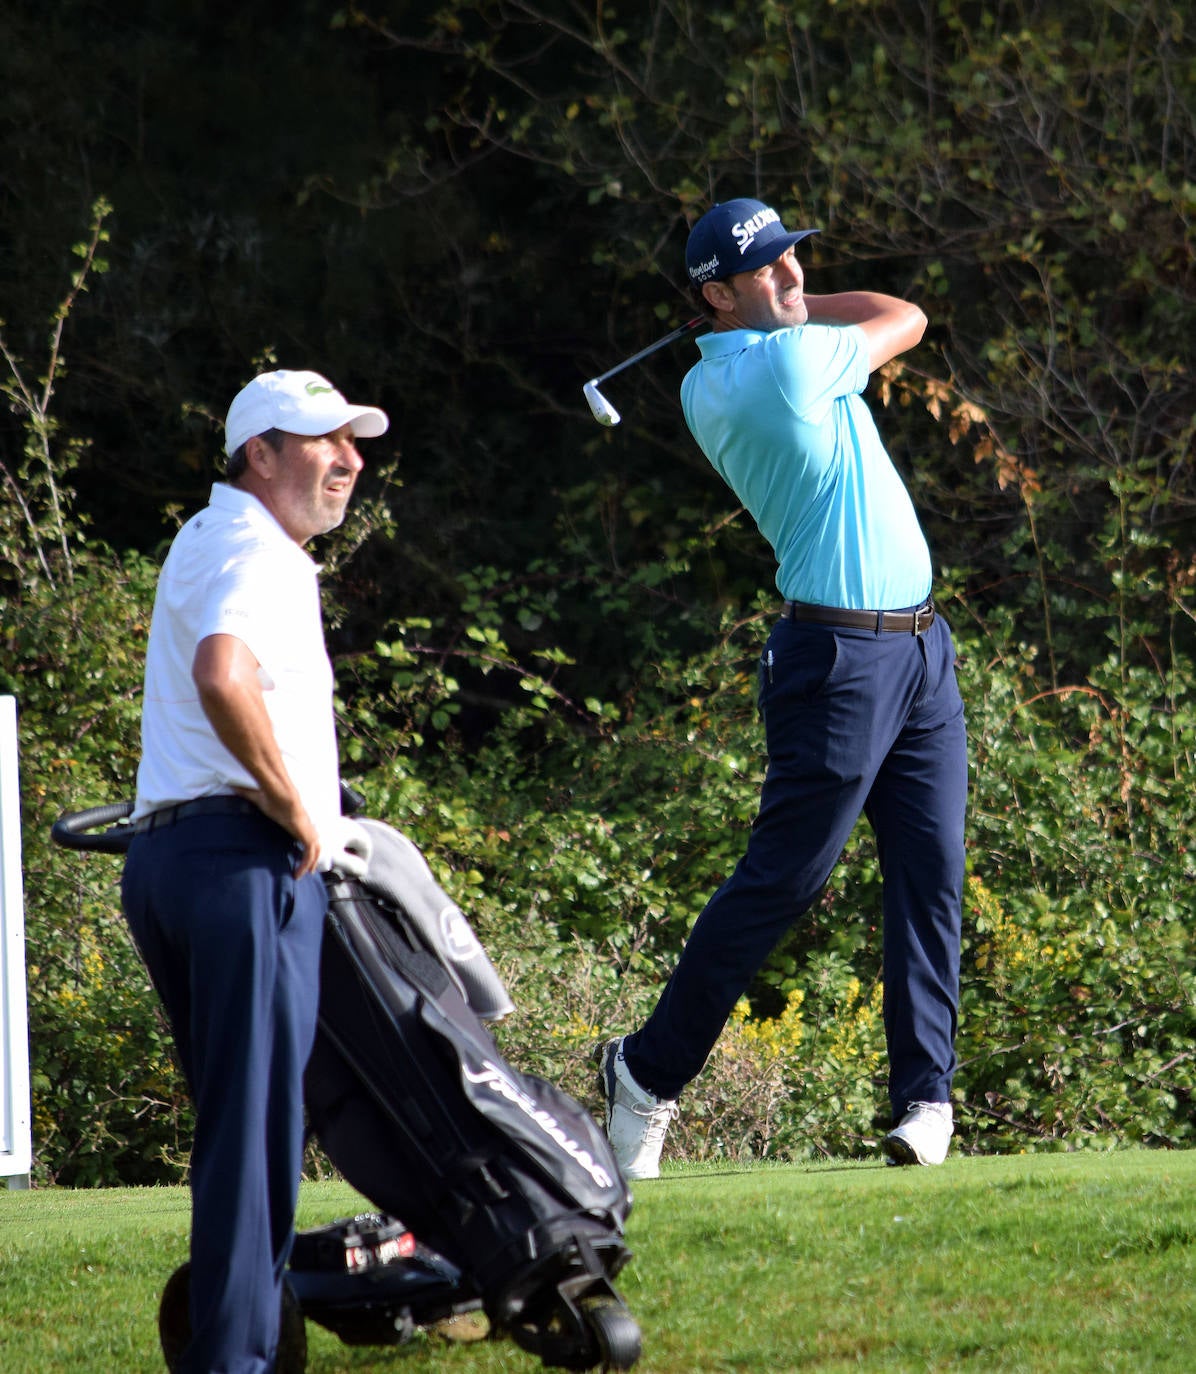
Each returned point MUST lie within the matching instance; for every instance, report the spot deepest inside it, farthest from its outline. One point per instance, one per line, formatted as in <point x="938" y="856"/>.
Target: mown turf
<point x="1033" y="1264"/>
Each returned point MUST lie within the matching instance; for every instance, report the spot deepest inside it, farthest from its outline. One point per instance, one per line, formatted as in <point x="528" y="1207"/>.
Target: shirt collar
<point x="721" y="342"/>
<point x="224" y="496"/>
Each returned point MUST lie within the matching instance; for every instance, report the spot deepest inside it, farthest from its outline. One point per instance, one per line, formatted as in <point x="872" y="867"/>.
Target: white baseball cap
<point x="296" y="403"/>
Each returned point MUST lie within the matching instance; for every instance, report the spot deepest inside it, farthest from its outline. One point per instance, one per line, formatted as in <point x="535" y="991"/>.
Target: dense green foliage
<point x="545" y="631"/>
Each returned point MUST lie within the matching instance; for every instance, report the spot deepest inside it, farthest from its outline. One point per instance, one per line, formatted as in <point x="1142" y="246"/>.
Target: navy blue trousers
<point x="856" y="721"/>
<point x="232" y="943"/>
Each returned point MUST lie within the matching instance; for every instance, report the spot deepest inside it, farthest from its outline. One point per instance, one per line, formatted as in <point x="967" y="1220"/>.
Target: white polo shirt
<point x="234" y="570"/>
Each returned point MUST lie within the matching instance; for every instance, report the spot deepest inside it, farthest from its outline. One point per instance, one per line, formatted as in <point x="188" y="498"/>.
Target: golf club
<point x="600" y="407"/>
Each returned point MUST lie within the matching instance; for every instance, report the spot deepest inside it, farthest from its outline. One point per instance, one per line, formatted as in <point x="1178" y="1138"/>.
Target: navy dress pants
<point x="232" y="943"/>
<point x="856" y="721"/>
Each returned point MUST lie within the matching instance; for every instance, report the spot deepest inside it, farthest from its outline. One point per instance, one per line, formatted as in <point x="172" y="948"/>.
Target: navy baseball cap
<point x="736" y="236"/>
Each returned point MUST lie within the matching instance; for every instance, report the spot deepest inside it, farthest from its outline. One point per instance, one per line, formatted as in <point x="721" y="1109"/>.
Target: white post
<point x="16" y="1141"/>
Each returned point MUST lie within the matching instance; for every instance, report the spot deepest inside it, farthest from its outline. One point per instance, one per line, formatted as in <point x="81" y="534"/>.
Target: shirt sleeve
<point x="815" y="365"/>
<point x="247" y="599"/>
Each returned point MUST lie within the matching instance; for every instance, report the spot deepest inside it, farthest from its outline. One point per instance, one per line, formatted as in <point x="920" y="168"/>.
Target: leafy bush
<point x="584" y="858"/>
<point x="109" y="1105"/>
<point x="584" y="854"/>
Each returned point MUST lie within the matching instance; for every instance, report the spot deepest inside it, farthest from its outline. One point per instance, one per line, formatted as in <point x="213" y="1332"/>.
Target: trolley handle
<point x="82" y="829"/>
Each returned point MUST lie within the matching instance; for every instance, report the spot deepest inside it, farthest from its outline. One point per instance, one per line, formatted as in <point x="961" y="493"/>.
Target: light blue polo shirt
<point x="781" y="417"/>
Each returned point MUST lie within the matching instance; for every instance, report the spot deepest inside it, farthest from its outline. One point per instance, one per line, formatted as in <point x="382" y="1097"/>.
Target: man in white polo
<point x="237" y="814"/>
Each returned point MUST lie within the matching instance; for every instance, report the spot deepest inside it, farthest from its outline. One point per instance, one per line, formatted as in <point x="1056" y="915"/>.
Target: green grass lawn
<point x="1039" y="1264"/>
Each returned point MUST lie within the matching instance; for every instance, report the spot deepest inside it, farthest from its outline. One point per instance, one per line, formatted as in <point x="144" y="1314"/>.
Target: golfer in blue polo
<point x="858" y="695"/>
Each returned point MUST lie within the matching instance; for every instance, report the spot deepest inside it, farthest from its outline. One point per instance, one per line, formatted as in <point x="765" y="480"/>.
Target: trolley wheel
<point x="174" y="1324"/>
<point x="615" y="1330"/>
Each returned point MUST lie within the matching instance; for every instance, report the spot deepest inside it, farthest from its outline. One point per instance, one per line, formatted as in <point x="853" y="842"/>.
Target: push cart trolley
<point x="510" y="1200"/>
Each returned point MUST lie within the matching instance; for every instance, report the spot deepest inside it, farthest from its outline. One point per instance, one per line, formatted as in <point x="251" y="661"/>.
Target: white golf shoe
<point x="922" y="1135"/>
<point x="635" y="1119"/>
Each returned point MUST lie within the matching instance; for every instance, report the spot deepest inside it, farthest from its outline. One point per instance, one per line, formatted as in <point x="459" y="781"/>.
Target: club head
<point x="600" y="407"/>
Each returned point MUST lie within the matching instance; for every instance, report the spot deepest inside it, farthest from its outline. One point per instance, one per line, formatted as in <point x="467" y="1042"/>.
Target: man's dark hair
<point x="238" y="461"/>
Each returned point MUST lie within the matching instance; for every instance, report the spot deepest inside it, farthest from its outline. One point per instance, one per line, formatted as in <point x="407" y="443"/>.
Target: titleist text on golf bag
<point x="503" y="1173"/>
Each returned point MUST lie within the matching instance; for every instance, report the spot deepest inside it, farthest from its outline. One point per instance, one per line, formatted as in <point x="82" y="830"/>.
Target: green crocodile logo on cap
<point x="314" y="388"/>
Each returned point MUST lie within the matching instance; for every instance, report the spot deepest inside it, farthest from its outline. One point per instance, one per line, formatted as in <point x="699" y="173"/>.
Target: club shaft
<point x="687" y="328"/>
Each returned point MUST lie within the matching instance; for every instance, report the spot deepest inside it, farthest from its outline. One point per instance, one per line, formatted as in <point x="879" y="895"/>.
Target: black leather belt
<point x="891" y="622"/>
<point x="201" y="806"/>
